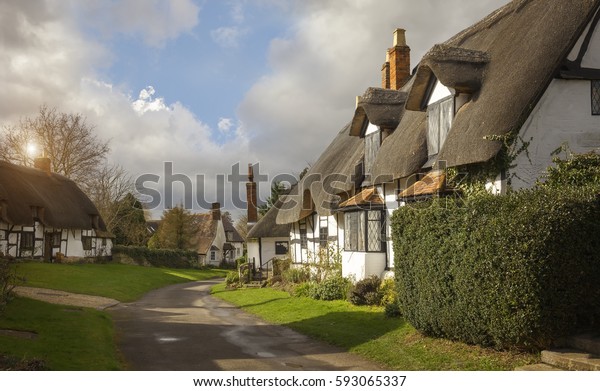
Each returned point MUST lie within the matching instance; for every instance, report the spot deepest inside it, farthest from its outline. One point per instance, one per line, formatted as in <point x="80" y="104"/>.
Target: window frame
<point x="282" y="244"/>
<point x="86" y="243"/>
<point x="31" y="238"/>
<point x="436" y="106"/>
<point x="362" y="242"/>
<point x="303" y="235"/>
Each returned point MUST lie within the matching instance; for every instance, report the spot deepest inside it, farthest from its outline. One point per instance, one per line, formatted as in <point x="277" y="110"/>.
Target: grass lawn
<point x="68" y="338"/>
<point x="125" y="283"/>
<point x="366" y="331"/>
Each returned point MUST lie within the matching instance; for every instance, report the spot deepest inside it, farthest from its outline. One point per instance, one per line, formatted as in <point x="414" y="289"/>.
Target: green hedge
<point x="158" y="257"/>
<point x="516" y="271"/>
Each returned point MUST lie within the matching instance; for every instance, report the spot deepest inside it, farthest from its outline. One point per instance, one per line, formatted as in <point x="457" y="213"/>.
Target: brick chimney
<point x="42" y="163"/>
<point x="216" y="211"/>
<point x="251" y="197"/>
<point x="395" y="72"/>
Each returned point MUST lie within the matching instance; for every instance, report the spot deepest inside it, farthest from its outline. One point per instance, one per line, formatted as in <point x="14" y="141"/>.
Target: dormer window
<point x="440" y="113"/>
<point x="372" y="143"/>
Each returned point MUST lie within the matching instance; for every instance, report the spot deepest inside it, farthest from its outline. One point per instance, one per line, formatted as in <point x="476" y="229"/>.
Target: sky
<point x="193" y="87"/>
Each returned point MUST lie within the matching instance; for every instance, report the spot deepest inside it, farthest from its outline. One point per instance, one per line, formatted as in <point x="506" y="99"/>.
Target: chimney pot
<point x="42" y="163"/>
<point x="251" y="197"/>
<point x="399" y="37"/>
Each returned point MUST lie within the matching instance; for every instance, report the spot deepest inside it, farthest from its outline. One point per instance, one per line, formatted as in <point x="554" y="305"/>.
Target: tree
<point x="277" y="189"/>
<point x="67" y="139"/>
<point x="129" y="223"/>
<point x="178" y="229"/>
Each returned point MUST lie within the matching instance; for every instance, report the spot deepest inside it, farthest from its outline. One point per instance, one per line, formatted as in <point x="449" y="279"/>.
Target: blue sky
<point x="206" y="84"/>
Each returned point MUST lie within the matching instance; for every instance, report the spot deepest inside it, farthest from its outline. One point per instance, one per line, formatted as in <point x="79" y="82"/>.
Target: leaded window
<point x="303" y="236"/>
<point x="595" y="97"/>
<point x="364" y="231"/>
<point x="86" y="242"/>
<point x="27" y="240"/>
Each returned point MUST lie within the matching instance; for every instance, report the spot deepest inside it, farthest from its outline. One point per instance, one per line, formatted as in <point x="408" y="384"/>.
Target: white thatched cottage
<point x="43" y="214"/>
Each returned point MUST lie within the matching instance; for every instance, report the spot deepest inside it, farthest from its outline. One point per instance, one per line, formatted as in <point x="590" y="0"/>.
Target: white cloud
<point x="145" y="102"/>
<point x="227" y="37"/>
<point x="332" y="53"/>
<point x="225" y="125"/>
<point x="154" y="21"/>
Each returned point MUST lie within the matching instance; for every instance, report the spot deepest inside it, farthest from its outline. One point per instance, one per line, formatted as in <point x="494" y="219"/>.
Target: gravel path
<point x="65" y="298"/>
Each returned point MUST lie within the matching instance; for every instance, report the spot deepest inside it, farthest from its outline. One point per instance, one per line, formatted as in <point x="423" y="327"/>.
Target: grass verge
<point x="66" y="338"/>
<point x="366" y="331"/>
<point x="125" y="283"/>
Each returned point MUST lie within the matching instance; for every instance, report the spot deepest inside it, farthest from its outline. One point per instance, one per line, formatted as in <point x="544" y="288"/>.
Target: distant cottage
<point x="45" y="215"/>
<point x="217" y="240"/>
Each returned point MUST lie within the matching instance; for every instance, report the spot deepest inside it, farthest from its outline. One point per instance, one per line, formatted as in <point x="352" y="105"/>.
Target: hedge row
<point x="517" y="271"/>
<point x="158" y="257"/>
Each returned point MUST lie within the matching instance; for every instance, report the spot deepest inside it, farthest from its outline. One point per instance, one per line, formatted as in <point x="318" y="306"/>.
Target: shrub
<point x="387" y="291"/>
<point x="280" y="266"/>
<point x="7" y="281"/>
<point x="181" y="259"/>
<point x="516" y="271"/>
<point x="333" y="288"/>
<point x="392" y="310"/>
<point x="232" y="280"/>
<point x="366" y="292"/>
<point x="303" y="289"/>
<point x="296" y="275"/>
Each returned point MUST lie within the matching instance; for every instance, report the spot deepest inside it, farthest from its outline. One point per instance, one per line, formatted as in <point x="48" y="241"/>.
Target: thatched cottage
<point x="45" y="215"/>
<point x="527" y="73"/>
<point x="217" y="239"/>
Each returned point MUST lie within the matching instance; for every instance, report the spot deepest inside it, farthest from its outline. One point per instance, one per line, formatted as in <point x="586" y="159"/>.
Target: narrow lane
<point x="183" y="327"/>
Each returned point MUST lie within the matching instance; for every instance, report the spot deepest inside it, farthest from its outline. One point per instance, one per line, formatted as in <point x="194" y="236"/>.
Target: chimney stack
<point x="42" y="163"/>
<point x="395" y="72"/>
<point x="251" y="197"/>
<point x="216" y="211"/>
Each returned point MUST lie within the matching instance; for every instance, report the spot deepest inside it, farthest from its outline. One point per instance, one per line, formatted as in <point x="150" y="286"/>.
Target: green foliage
<point x="333" y="288"/>
<point x="514" y="271"/>
<point x="388" y="292"/>
<point x="576" y="170"/>
<point x="326" y="263"/>
<point x="177" y="230"/>
<point x="281" y="265"/>
<point x="304" y="289"/>
<point x="8" y="279"/>
<point x="232" y="280"/>
<point x="392" y="310"/>
<point x="366" y="292"/>
<point x="129" y="226"/>
<point x="277" y="189"/>
<point x="159" y="257"/>
<point x="296" y="275"/>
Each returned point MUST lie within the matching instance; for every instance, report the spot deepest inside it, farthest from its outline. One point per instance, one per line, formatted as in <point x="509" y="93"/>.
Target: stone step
<point x="571" y="359"/>
<point x="538" y="367"/>
<point x="254" y="284"/>
<point x="589" y="342"/>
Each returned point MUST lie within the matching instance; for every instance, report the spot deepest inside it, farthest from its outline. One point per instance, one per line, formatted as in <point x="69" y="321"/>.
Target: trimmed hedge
<point x="516" y="271"/>
<point x="180" y="259"/>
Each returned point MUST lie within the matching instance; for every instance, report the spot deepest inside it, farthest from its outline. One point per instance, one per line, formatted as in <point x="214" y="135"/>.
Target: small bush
<point x="304" y="289"/>
<point x="7" y="281"/>
<point x="296" y="275"/>
<point x="333" y="288"/>
<point x="232" y="280"/>
<point x="182" y="259"/>
<point x="388" y="293"/>
<point x="280" y="266"/>
<point x="392" y="310"/>
<point x="366" y="292"/>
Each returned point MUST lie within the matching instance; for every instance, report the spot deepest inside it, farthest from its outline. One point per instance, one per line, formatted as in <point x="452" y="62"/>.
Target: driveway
<point x="183" y="327"/>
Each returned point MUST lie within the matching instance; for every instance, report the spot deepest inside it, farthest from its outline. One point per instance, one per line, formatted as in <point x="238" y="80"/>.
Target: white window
<point x="439" y="121"/>
<point x="213" y="255"/>
<point x="364" y="231"/>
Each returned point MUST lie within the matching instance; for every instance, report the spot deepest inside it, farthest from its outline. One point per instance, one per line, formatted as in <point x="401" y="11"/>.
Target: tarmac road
<point x="183" y="327"/>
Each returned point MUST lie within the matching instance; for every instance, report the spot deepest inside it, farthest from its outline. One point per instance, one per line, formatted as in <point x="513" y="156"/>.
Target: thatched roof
<point x="267" y="226"/>
<point x="333" y="173"/>
<point x="235" y="235"/>
<point x="507" y="60"/>
<point x="382" y="107"/>
<point x="207" y="231"/>
<point x="58" y="202"/>
<point x="367" y="197"/>
<point x="433" y="183"/>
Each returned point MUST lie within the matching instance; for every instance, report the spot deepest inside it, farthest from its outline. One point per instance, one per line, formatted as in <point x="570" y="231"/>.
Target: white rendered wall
<point x="359" y="265"/>
<point x="253" y="252"/>
<point x="563" y="115"/>
<point x="268" y="249"/>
